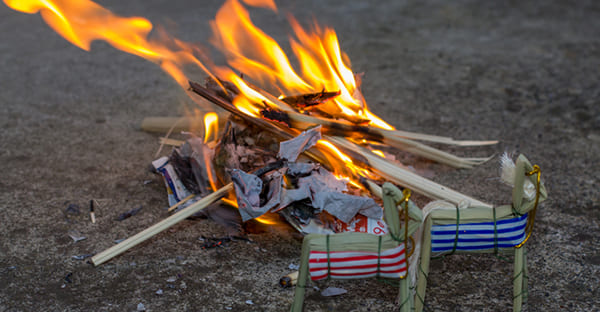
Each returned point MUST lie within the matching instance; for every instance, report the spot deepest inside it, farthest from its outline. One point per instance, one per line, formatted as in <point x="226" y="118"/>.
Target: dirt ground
<point x="526" y="74"/>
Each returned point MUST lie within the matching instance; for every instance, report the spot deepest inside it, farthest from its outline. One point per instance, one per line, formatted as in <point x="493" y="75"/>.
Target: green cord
<point x="456" y="236"/>
<point x="328" y="259"/>
<point x="378" y="256"/>
<point x="404" y="302"/>
<point x="495" y="233"/>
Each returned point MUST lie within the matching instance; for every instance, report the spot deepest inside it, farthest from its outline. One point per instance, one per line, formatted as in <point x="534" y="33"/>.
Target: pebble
<point x="75" y="236"/>
<point x="159" y="292"/>
<point x="141" y="307"/>
<point x="333" y="291"/>
<point x="249" y="302"/>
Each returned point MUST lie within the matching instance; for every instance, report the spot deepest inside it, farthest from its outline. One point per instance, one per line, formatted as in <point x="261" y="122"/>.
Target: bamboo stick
<point x="394" y="138"/>
<point x="327" y="122"/>
<point x="164" y="124"/>
<point x="172" y="142"/>
<point x="181" y="202"/>
<point x="416" y="183"/>
<point x="308" y="120"/>
<point x="160" y="226"/>
<point x="388" y="137"/>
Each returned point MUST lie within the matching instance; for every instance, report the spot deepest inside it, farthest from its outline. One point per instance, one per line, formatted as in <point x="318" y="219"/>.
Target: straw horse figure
<point x="354" y="255"/>
<point x="448" y="229"/>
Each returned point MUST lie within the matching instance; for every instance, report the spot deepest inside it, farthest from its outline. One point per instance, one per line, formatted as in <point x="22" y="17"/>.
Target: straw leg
<point x="302" y="277"/>
<point x="405" y="302"/>
<point x="423" y="269"/>
<point x="525" y="275"/>
<point x="518" y="280"/>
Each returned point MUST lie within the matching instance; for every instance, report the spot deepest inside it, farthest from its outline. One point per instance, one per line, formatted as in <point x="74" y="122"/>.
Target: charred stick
<point x="382" y="167"/>
<point x="284" y="133"/>
<point x="289" y="280"/>
<point x="214" y="98"/>
<point x="399" y="133"/>
<point x="92" y="213"/>
<point x="309" y="99"/>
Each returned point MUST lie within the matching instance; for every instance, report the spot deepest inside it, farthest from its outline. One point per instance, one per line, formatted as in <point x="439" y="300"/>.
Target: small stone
<point x="333" y="291"/>
<point x="76" y="236"/>
<point x="141" y="307"/>
<point x="171" y="279"/>
<point x="249" y="302"/>
<point x="159" y="292"/>
<point x="293" y="266"/>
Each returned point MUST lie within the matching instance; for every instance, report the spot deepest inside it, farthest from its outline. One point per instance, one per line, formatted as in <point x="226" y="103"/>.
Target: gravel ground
<point x="524" y="73"/>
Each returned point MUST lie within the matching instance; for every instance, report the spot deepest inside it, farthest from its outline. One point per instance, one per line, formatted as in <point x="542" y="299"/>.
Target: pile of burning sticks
<point x="292" y="162"/>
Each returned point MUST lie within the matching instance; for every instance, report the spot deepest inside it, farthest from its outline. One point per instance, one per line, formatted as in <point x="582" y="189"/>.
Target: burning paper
<point x="175" y="189"/>
<point x="291" y="149"/>
<point x="310" y="185"/>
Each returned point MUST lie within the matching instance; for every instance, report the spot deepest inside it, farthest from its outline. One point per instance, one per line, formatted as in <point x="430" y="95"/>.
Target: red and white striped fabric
<point x="358" y="264"/>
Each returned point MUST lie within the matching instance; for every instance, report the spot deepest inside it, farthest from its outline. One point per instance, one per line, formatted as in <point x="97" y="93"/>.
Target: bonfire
<point x="280" y="143"/>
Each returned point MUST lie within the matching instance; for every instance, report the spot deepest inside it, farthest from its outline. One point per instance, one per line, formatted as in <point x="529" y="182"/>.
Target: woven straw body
<point x="502" y="229"/>
<point x="362" y="255"/>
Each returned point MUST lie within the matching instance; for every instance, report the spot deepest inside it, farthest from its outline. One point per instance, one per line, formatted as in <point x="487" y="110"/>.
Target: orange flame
<point x="267" y="219"/>
<point x="81" y="22"/>
<point x="250" y="51"/>
<point x="343" y="166"/>
<point x="323" y="66"/>
<point x="378" y="153"/>
<point x="211" y="127"/>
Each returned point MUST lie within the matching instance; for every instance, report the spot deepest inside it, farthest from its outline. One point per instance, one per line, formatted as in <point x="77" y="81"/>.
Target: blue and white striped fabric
<point x="478" y="236"/>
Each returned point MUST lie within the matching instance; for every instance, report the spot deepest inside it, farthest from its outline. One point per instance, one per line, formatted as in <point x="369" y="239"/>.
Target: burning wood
<point x="381" y="167"/>
<point x="304" y="101"/>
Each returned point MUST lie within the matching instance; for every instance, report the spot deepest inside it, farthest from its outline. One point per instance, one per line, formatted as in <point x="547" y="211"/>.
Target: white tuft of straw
<point x="507" y="175"/>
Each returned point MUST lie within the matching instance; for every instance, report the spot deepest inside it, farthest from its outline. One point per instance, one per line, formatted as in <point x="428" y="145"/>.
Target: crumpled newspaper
<point x="315" y="184"/>
<point x="291" y="149"/>
<point x="321" y="180"/>
<point x="247" y="190"/>
<point x="345" y="206"/>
